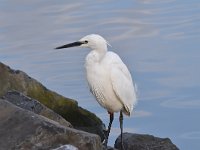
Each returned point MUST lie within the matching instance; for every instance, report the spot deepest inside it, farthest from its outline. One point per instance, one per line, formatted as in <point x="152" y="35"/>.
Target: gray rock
<point x="111" y="148"/>
<point x="144" y="142"/>
<point x="68" y="108"/>
<point x="66" y="147"/>
<point x="35" y="106"/>
<point x="21" y="129"/>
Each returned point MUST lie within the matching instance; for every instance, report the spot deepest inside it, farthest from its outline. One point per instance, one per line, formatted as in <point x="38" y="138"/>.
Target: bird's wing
<point x="122" y="84"/>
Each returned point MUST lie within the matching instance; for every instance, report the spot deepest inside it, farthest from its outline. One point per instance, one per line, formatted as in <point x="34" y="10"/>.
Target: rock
<point x="144" y="142"/>
<point x="21" y="129"/>
<point x="111" y="148"/>
<point x="108" y="148"/>
<point x="66" y="147"/>
<point x="26" y="123"/>
<point x="35" y="106"/>
<point x="80" y="118"/>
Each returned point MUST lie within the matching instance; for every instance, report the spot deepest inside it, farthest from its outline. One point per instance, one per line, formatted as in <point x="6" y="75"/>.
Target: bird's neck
<point x="95" y="56"/>
<point x="100" y="53"/>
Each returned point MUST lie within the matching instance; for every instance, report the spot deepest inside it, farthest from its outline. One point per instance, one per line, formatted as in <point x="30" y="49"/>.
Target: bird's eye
<point x="86" y="41"/>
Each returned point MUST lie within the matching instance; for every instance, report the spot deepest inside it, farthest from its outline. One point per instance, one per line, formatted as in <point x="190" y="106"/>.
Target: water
<point x="158" y="40"/>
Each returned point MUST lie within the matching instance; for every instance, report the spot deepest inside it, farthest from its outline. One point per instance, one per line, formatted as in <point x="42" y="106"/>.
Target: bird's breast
<point x="98" y="77"/>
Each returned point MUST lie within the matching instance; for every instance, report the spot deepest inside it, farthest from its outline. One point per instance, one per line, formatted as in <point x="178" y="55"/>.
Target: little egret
<point x="109" y="79"/>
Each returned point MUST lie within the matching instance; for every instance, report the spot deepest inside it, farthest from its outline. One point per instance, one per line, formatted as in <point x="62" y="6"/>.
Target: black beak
<point x="78" y="43"/>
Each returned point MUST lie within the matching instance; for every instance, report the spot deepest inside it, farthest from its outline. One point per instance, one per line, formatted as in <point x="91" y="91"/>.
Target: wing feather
<point x="122" y="84"/>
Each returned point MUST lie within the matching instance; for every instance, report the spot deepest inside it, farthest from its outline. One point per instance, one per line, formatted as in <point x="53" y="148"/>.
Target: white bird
<point x="109" y="79"/>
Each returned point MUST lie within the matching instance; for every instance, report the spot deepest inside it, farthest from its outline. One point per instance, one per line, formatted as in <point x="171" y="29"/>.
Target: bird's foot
<point x="105" y="141"/>
<point x="105" y="132"/>
<point x="122" y="146"/>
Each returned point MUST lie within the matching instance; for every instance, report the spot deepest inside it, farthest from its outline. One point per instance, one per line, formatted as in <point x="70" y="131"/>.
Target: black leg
<point x="121" y="127"/>
<point x="109" y="128"/>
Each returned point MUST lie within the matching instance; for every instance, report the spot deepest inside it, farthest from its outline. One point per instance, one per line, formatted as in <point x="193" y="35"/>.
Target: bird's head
<point x="93" y="41"/>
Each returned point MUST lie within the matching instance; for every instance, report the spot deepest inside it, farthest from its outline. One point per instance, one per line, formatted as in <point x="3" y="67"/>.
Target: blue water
<point x="158" y="40"/>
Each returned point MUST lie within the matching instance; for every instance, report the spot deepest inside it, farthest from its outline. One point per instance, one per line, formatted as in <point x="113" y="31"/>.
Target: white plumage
<point x="108" y="77"/>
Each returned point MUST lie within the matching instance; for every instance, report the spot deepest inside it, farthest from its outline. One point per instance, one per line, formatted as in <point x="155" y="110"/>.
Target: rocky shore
<point x="33" y="117"/>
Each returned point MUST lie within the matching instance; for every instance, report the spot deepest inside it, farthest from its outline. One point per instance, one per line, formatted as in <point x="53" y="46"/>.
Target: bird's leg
<point x="110" y="123"/>
<point x="121" y="127"/>
<point x="109" y="128"/>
